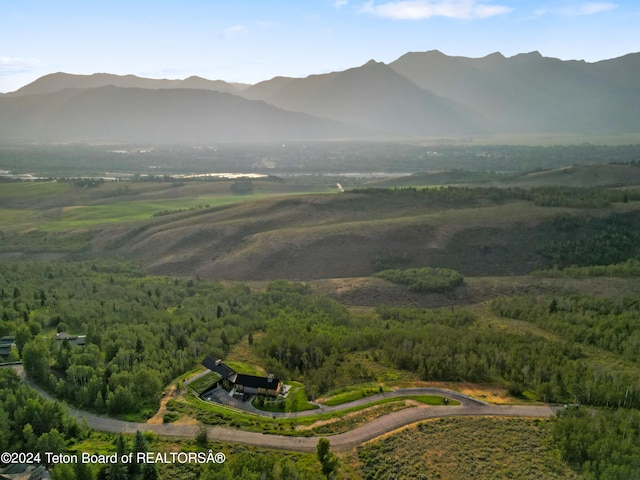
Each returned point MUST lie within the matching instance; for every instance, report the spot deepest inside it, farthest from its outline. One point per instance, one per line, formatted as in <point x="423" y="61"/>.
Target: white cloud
<point x="421" y="9"/>
<point x="596" y="7"/>
<point x="13" y="65"/>
<point x="577" y="9"/>
<point x="340" y="3"/>
<point x="236" y="30"/>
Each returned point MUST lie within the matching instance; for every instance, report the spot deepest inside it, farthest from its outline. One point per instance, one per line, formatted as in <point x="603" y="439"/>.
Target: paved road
<point x="373" y="429"/>
<point x="357" y="436"/>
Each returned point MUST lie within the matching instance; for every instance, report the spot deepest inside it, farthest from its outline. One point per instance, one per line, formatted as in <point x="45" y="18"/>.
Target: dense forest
<point x="143" y="332"/>
<point x="159" y="328"/>
<point x="604" y="322"/>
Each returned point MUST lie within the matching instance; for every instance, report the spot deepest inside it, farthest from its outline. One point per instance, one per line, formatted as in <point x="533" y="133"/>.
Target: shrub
<point x="170" y="417"/>
<point x="424" y="280"/>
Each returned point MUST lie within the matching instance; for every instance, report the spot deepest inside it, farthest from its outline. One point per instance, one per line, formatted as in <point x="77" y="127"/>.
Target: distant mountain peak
<point x="534" y="54"/>
<point x="495" y="56"/>
<point x="59" y="81"/>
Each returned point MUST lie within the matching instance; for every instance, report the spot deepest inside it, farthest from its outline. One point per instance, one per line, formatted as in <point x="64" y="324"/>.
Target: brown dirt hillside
<point x="331" y="236"/>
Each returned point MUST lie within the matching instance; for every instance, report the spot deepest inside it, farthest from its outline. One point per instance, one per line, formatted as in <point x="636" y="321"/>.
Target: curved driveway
<point x="341" y="441"/>
<point x="218" y="395"/>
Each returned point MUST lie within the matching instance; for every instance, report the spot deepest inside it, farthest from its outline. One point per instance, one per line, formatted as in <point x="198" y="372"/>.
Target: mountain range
<point x="419" y="95"/>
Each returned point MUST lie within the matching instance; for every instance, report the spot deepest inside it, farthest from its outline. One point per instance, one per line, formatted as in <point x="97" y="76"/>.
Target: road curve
<point x="341" y="441"/>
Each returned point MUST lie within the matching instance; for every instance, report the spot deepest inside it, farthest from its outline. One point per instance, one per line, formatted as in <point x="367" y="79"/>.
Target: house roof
<point x="219" y="367"/>
<point x="252" y="381"/>
<point x="5" y="350"/>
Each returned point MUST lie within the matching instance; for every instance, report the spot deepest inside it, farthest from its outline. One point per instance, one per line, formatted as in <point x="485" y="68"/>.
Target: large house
<point x="243" y="383"/>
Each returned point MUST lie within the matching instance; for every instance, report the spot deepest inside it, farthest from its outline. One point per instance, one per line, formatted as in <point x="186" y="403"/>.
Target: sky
<point x="250" y="41"/>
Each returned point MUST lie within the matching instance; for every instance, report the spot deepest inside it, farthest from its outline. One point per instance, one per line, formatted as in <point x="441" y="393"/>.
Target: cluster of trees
<point x="630" y="268"/>
<point x="576" y="197"/>
<point x="610" y="324"/>
<point x="300" y="342"/>
<point x="602" y="445"/>
<point x="261" y="466"/>
<point x="141" y="332"/>
<point x="447" y="345"/>
<point x="424" y="280"/>
<point x="303" y="335"/>
<point x="389" y="261"/>
<point x="29" y="423"/>
<point x="588" y="240"/>
<point x="114" y="470"/>
<point x="163" y="213"/>
<point x="556" y="196"/>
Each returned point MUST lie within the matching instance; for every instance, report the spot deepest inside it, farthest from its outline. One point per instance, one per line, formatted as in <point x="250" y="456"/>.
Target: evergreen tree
<point x="326" y="457"/>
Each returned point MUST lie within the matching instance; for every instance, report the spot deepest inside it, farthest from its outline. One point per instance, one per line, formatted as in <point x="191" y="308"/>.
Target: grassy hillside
<point x="202" y="228"/>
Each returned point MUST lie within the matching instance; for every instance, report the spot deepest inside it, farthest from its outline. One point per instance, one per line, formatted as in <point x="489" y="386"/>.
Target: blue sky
<point x="249" y="41"/>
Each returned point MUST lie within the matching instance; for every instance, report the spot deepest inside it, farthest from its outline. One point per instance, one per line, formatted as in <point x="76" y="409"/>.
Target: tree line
<point x="548" y="196"/>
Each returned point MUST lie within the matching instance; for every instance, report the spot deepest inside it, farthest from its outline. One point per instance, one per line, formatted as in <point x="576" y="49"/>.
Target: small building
<point x="243" y="383"/>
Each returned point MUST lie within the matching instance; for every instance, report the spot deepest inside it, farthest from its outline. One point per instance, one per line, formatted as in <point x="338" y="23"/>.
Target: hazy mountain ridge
<point x="529" y="92"/>
<point x="376" y="98"/>
<point x="115" y="114"/>
<point x="59" y="81"/>
<point x="421" y="94"/>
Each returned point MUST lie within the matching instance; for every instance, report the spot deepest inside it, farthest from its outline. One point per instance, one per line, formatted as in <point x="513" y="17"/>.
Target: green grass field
<point x="352" y="394"/>
<point x="59" y="206"/>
